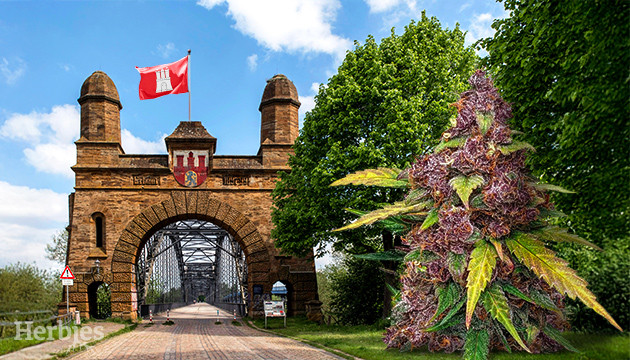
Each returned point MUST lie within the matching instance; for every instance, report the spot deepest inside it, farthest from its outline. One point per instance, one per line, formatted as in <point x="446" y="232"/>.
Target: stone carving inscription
<point x="235" y="180"/>
<point x="146" y="180"/>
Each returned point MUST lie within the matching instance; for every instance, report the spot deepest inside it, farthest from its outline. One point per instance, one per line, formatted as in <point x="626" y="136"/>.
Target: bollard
<point x="234" y="314"/>
<point x="168" y="311"/>
<point x="77" y="318"/>
<point x="217" y="312"/>
<point x="151" y="316"/>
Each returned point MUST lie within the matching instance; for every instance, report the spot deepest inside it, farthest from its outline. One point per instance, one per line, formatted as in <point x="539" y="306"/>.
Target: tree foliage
<point x="354" y="291"/>
<point x="564" y="66"/>
<point x="514" y="287"/>
<point x="386" y="103"/>
<point x="24" y="287"/>
<point x="57" y="251"/>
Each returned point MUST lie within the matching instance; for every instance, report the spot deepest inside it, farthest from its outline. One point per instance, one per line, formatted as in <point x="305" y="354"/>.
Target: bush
<point x="356" y="291"/>
<point x="607" y="275"/>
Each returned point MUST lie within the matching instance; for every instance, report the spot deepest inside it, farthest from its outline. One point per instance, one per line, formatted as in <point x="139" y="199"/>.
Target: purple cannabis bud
<point x="480" y="188"/>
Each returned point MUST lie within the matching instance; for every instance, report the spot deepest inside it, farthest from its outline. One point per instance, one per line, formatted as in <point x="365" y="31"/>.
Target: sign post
<point x="67" y="279"/>
<point x="275" y="309"/>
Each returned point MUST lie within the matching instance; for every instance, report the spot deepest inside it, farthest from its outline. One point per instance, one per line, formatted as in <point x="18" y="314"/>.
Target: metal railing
<point x="10" y="320"/>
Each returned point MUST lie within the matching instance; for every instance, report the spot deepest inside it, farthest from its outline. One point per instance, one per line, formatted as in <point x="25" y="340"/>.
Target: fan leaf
<point x="464" y="186"/>
<point x="397" y="208"/>
<point x="384" y="177"/>
<point x="515" y="146"/>
<point x="456" y="264"/>
<point x="389" y="255"/>
<point x="484" y="120"/>
<point x="497" y="247"/>
<point x="543" y="262"/>
<point x="448" y="320"/>
<point x="447" y="296"/>
<point x="511" y="289"/>
<point x="544" y="301"/>
<point x="483" y="259"/>
<point x="456" y="142"/>
<point x="394" y="224"/>
<point x="555" y="335"/>
<point x="554" y="233"/>
<point x="495" y="302"/>
<point x="550" y="187"/>
<point x="432" y="218"/>
<point x="477" y="345"/>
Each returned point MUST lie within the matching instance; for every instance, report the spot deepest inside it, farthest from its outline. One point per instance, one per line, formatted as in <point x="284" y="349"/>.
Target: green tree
<point x="57" y="251"/>
<point x="355" y="288"/>
<point x="24" y="287"/>
<point x="564" y="66"/>
<point x="388" y="102"/>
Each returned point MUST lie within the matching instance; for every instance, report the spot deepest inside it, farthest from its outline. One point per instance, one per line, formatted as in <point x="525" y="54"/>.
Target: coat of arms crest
<point x="190" y="167"/>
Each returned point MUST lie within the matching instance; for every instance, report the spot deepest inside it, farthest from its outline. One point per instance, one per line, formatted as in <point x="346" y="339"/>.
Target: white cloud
<point x="481" y="27"/>
<point x="50" y="139"/>
<point x="26" y="244"/>
<point x="377" y="6"/>
<point x="12" y="71"/>
<point x="252" y="62"/>
<point x="24" y="205"/>
<point x="166" y="50"/>
<point x="465" y="6"/>
<point x="52" y="158"/>
<point x="29" y="219"/>
<point x="287" y="25"/>
<point x="308" y="101"/>
<point x="135" y="145"/>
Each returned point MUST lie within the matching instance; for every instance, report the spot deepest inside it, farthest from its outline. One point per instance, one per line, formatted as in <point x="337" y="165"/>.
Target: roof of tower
<point x="190" y="130"/>
<point x="279" y="89"/>
<point x="99" y="86"/>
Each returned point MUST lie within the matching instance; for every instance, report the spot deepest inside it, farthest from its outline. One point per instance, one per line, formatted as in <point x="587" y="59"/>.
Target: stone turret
<point x="279" y="112"/>
<point x="99" y="143"/>
<point x="100" y="109"/>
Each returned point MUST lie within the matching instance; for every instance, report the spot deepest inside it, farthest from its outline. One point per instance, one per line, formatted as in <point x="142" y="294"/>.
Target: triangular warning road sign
<point x="67" y="274"/>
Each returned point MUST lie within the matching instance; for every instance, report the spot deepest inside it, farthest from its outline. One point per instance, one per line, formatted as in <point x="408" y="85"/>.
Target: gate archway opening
<point x="191" y="260"/>
<point x="99" y="297"/>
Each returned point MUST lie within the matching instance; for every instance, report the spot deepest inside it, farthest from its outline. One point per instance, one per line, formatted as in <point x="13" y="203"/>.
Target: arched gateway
<point x="122" y="200"/>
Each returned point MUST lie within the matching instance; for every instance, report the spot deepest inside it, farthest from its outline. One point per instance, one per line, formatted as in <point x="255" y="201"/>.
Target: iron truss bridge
<point x="191" y="260"/>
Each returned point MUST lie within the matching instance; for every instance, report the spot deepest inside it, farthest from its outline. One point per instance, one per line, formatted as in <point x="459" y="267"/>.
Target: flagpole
<point x="188" y="84"/>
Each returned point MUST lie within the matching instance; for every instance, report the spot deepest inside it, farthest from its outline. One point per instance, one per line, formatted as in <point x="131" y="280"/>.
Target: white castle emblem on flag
<point x="163" y="80"/>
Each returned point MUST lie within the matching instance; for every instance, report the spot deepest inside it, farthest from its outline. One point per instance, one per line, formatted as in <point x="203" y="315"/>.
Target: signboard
<point x="275" y="308"/>
<point x="66" y="273"/>
<point x="67" y="279"/>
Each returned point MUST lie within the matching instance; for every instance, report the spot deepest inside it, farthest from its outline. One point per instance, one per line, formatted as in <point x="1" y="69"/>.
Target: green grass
<point x="10" y="344"/>
<point x="366" y="342"/>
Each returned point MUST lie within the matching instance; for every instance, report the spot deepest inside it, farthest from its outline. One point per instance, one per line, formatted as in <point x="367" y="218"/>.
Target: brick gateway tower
<point x="121" y="200"/>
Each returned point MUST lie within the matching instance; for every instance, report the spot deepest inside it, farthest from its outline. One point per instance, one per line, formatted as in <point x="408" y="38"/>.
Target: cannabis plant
<point x="478" y="275"/>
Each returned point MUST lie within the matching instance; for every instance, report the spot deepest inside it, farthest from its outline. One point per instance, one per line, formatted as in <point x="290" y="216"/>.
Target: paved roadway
<point x="195" y="336"/>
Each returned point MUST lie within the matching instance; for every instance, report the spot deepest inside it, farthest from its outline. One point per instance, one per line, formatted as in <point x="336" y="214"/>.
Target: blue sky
<point x="48" y="48"/>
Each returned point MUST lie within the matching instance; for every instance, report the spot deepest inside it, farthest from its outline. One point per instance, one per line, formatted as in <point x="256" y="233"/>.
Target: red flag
<point x="160" y="80"/>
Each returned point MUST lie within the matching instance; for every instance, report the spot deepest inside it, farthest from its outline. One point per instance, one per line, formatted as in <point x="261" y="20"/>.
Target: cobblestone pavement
<point x="91" y="331"/>
<point x="196" y="336"/>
